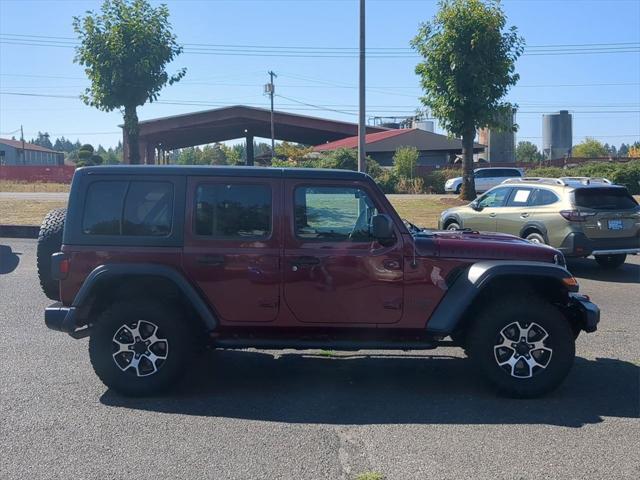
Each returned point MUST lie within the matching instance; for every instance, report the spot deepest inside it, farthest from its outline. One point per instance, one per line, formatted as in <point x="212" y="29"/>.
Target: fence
<point x="37" y="173"/>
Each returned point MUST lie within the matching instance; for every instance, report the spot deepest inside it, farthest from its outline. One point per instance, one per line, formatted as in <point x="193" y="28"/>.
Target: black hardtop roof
<point x="223" y="171"/>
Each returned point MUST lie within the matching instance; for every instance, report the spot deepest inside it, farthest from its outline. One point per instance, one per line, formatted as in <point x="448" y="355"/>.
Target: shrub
<point x="410" y="185"/>
<point x="627" y="174"/>
<point x="405" y="161"/>
<point x="552" y="172"/>
<point x="434" y="181"/>
<point x="387" y="181"/>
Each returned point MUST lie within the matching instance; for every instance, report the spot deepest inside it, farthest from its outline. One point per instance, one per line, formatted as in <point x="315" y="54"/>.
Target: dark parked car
<point x="155" y="262"/>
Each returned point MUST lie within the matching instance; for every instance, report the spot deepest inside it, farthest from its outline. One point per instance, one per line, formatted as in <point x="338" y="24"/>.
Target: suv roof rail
<point x="548" y="181"/>
<point x="587" y="180"/>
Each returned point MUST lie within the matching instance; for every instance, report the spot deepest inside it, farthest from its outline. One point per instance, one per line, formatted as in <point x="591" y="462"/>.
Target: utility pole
<point x="362" y="128"/>
<point x="270" y="89"/>
<point x="24" y="158"/>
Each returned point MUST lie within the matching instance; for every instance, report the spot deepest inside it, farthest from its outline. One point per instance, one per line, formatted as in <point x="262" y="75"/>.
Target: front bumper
<point x="578" y="245"/>
<point x="585" y="312"/>
<point x="63" y="319"/>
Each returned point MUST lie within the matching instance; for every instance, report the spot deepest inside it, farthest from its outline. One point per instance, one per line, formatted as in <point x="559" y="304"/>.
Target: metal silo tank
<point x="557" y="135"/>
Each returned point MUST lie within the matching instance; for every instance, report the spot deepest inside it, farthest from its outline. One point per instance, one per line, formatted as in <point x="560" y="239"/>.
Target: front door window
<point x="335" y="271"/>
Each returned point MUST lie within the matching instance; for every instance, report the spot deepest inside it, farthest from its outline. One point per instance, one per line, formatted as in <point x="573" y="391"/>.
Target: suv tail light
<point x="60" y="265"/>
<point x="576" y="215"/>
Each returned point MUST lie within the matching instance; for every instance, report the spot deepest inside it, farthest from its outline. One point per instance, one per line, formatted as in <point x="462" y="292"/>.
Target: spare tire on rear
<point x="50" y="242"/>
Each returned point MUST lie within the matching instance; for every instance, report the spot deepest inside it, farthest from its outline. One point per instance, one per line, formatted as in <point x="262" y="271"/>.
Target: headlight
<point x="449" y="182"/>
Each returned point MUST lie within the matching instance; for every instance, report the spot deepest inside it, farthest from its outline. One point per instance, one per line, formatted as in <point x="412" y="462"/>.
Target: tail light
<point x="576" y="215"/>
<point x="60" y="266"/>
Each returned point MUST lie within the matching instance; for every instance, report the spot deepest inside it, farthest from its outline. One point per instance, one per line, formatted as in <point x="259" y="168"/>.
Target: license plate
<point x="615" y="224"/>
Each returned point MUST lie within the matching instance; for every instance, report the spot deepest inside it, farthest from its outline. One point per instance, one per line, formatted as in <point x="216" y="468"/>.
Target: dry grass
<point x="422" y="210"/>
<point x="14" y="186"/>
<point x="26" y="212"/>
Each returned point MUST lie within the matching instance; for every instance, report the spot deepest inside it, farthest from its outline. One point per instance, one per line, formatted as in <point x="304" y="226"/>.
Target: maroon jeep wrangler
<point x="153" y="263"/>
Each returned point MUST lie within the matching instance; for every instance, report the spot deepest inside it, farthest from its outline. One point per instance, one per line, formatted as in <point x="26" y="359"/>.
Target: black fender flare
<point x="467" y="286"/>
<point x="114" y="270"/>
<point x="539" y="226"/>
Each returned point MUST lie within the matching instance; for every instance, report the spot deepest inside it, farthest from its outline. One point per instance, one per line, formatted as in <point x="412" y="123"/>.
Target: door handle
<point x="211" y="260"/>
<point x="304" y="261"/>
<point x="492" y="214"/>
<point x="524" y="215"/>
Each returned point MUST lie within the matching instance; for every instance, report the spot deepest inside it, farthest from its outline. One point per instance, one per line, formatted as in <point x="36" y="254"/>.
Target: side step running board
<point x="325" y="344"/>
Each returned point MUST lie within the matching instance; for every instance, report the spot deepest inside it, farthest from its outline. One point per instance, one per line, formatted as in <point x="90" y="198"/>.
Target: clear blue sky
<point x="602" y="90"/>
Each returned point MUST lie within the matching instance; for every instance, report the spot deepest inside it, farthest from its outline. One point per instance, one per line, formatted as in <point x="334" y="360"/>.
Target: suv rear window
<point x="233" y="211"/>
<point x="128" y="208"/>
<point x="604" y="198"/>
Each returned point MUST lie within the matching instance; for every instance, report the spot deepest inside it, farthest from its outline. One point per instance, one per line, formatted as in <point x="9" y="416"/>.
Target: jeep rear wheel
<point x="140" y="348"/>
<point x="49" y="242"/>
<point x="611" y="261"/>
<point x="524" y="346"/>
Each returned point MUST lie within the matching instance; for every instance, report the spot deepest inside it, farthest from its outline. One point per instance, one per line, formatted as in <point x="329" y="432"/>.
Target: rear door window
<point x="520" y="197"/>
<point x="233" y="211"/>
<point x="604" y="198"/>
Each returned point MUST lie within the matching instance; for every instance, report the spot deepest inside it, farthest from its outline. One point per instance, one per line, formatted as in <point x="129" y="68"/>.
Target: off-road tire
<point x="611" y="261"/>
<point x="177" y="330"/>
<point x="526" y="309"/>
<point x="49" y="242"/>
<point x="535" y="237"/>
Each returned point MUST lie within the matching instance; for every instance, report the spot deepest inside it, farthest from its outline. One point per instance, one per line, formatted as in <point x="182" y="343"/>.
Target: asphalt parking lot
<point x="256" y="415"/>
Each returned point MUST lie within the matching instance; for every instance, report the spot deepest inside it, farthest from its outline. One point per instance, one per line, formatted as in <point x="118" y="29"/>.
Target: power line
<point x="325" y="52"/>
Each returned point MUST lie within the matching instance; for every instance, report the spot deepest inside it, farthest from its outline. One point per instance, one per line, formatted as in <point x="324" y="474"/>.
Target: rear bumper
<point x="63" y="319"/>
<point x="586" y="312"/>
<point x="578" y="245"/>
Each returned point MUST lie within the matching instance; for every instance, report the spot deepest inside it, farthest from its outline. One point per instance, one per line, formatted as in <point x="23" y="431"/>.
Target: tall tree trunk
<point x="468" y="183"/>
<point x="131" y="127"/>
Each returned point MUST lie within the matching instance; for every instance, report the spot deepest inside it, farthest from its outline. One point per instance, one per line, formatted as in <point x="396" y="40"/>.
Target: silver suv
<point x="485" y="178"/>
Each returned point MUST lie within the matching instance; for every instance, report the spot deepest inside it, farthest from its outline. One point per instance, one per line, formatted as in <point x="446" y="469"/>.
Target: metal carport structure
<point x="179" y="131"/>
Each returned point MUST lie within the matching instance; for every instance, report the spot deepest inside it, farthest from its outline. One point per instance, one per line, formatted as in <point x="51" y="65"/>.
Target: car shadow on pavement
<point x="589" y="269"/>
<point x="9" y="260"/>
<point x="361" y="389"/>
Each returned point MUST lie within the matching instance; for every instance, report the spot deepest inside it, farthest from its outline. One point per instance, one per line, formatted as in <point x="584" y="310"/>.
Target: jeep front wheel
<point x="524" y="346"/>
<point x="140" y="348"/>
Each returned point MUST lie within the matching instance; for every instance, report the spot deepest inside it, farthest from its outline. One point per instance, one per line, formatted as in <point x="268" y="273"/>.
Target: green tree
<point x="233" y="155"/>
<point x="342" y="158"/>
<point x="125" y="50"/>
<point x="42" y="140"/>
<point x="527" y="152"/>
<point x="86" y="156"/>
<point x="292" y="152"/>
<point x="589" y="148"/>
<point x="213" y="155"/>
<point x="623" y="151"/>
<point x="468" y="67"/>
<point x="404" y="162"/>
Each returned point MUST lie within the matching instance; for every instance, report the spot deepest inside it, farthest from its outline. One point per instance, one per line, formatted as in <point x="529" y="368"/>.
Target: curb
<point x="19" y="231"/>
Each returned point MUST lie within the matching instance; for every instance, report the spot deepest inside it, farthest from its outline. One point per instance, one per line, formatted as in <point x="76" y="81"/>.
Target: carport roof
<point x="239" y="121"/>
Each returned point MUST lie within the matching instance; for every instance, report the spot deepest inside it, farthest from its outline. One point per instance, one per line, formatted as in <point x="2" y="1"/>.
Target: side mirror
<point x="475" y="205"/>
<point x="382" y="228"/>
